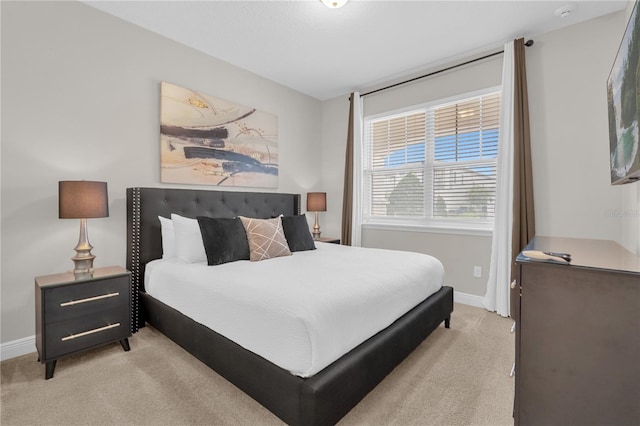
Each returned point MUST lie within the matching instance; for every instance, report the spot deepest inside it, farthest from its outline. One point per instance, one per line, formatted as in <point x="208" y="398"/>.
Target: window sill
<point x="440" y="229"/>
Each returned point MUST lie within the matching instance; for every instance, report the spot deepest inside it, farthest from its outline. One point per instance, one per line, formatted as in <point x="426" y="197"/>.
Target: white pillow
<point x="189" y="245"/>
<point x="168" y="238"/>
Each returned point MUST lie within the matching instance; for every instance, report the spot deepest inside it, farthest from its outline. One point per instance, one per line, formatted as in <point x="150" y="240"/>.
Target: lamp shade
<point x="316" y="201"/>
<point x="81" y="199"/>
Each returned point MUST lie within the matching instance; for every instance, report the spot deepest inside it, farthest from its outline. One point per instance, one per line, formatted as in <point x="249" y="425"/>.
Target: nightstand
<point x="76" y="314"/>
<point x="329" y="240"/>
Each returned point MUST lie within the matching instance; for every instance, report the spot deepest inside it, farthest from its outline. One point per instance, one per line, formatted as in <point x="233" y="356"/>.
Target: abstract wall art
<point x="210" y="141"/>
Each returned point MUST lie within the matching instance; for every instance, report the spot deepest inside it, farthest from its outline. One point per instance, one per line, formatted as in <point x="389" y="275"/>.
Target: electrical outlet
<point x="477" y="271"/>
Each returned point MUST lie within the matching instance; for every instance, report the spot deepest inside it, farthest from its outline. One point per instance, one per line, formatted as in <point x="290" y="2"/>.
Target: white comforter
<point x="304" y="311"/>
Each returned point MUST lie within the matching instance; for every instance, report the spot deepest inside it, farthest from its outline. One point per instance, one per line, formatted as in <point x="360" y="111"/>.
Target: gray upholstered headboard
<point x="144" y="205"/>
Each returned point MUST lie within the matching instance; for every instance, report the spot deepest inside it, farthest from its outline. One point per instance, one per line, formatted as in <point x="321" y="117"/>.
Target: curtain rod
<point x="528" y="43"/>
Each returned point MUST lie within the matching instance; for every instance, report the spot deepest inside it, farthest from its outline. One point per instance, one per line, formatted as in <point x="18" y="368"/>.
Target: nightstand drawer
<point x="75" y="300"/>
<point x="65" y="337"/>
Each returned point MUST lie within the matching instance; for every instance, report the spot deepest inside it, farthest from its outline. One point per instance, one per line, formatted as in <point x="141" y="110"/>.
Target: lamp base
<point x="316" y="229"/>
<point x="83" y="263"/>
<point x="83" y="260"/>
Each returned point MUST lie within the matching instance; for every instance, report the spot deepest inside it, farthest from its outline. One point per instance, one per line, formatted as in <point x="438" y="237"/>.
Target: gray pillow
<point x="225" y="240"/>
<point x="296" y="231"/>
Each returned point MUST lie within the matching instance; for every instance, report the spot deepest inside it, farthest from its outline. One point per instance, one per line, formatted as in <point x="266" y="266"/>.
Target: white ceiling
<point x="326" y="53"/>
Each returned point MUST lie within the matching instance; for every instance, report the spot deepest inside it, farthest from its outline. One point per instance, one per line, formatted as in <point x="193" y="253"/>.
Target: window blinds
<point x="434" y="163"/>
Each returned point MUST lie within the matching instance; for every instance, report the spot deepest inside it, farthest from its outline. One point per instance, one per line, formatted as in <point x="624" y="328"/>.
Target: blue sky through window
<point x="414" y="153"/>
<point x="452" y="148"/>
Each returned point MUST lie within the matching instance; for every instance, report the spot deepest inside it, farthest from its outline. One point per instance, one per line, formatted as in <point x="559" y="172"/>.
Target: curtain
<point x="352" y="194"/>
<point x="523" y="229"/>
<point x="514" y="220"/>
<point x="496" y="298"/>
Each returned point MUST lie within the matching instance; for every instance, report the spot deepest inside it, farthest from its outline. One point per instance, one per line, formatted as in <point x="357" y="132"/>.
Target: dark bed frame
<point x="322" y="399"/>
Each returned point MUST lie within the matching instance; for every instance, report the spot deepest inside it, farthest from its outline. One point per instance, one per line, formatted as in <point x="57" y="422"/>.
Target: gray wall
<point x="80" y="100"/>
<point x="567" y="71"/>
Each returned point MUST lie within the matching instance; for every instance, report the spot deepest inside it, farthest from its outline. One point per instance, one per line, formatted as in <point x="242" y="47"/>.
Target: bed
<point x="326" y="395"/>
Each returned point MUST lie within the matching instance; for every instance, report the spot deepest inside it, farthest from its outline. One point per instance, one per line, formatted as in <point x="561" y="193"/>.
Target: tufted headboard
<point x="144" y="205"/>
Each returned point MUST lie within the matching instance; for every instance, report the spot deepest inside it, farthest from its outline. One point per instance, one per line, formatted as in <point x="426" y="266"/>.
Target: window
<point x="434" y="165"/>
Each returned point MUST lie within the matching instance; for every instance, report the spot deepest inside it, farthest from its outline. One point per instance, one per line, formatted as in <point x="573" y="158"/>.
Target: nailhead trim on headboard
<point x="135" y="259"/>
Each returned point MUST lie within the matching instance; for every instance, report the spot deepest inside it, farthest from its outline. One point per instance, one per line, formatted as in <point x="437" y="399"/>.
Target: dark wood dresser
<point x="578" y="335"/>
<point x="74" y="314"/>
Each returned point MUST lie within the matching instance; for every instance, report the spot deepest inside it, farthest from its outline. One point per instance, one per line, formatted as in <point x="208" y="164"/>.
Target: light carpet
<point x="457" y="376"/>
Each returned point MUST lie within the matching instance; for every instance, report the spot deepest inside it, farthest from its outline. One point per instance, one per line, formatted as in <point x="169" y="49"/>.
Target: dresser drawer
<point x="76" y="300"/>
<point x="65" y="337"/>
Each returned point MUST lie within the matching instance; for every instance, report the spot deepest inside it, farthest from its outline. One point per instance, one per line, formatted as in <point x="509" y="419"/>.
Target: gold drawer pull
<point x="89" y="299"/>
<point x="95" y="330"/>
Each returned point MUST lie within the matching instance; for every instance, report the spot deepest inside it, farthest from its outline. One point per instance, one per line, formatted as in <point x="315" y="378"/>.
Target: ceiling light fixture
<point x="334" y="4"/>
<point x="566" y="10"/>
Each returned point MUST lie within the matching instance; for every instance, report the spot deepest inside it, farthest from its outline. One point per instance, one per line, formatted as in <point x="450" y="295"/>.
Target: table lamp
<point x="81" y="199"/>
<point x="316" y="202"/>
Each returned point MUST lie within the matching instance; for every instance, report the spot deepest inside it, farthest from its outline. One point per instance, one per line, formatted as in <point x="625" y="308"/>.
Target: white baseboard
<point x="468" y="299"/>
<point x="18" y="347"/>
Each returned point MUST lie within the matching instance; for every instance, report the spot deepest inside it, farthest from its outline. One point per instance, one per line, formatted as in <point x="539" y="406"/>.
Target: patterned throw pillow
<point x="266" y="238"/>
